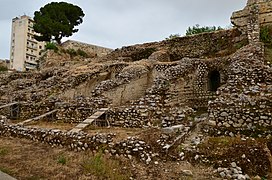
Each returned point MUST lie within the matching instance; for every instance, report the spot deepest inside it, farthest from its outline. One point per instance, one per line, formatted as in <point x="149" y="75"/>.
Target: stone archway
<point x="214" y="81"/>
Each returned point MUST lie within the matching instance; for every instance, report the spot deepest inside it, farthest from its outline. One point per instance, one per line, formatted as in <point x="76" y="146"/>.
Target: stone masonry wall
<point x="245" y="100"/>
<point x="90" y="49"/>
<point x="241" y="18"/>
<point x="215" y="44"/>
<point x="130" y="147"/>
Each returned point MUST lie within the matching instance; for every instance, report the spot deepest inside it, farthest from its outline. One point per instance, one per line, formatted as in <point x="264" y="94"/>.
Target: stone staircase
<point x="89" y="120"/>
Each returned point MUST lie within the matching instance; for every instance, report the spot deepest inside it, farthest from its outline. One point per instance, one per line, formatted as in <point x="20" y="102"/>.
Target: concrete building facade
<point x="24" y="50"/>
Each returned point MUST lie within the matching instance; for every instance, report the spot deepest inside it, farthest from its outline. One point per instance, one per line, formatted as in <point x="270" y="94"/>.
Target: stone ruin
<point x="159" y="84"/>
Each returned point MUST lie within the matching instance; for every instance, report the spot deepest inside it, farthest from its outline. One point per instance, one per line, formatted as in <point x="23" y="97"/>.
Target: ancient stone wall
<point x="263" y="10"/>
<point x="90" y="49"/>
<point x="82" y="141"/>
<point x="245" y="100"/>
<point x="215" y="44"/>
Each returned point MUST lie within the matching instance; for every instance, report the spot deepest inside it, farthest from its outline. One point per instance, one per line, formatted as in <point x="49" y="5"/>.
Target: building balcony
<point x="32" y="47"/>
<point x="31" y="62"/>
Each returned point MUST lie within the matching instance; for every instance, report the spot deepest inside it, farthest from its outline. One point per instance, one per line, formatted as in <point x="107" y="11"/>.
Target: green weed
<point x="3" y="151"/>
<point x="62" y="159"/>
<point x="104" y="167"/>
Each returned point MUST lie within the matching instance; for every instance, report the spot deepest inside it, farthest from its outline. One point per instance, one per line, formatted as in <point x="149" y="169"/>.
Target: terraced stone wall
<point x="215" y="44"/>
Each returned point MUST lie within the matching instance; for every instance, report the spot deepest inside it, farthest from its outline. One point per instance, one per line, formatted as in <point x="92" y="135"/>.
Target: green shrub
<point x="82" y="53"/>
<point x="173" y="36"/>
<point x="71" y="52"/>
<point x="197" y="29"/>
<point x="3" y="68"/>
<point x="266" y="35"/>
<point x="51" y="46"/>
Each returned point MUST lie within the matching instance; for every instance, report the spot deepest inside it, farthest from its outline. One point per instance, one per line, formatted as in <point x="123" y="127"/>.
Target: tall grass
<point x="104" y="167"/>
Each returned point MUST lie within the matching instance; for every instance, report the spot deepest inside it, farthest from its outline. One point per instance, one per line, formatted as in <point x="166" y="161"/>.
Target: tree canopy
<point x="57" y="20"/>
<point x="197" y="29"/>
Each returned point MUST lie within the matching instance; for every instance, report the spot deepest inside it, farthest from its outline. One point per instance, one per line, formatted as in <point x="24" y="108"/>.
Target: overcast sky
<point x="117" y="23"/>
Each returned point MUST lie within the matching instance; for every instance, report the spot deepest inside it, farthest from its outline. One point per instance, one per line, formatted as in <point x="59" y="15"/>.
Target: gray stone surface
<point x="4" y="176"/>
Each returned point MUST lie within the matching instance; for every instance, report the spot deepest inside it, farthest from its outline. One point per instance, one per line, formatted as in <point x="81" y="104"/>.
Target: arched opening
<point x="214" y="80"/>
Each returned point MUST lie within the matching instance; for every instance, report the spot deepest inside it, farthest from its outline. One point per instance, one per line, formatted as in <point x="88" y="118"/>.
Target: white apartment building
<point x="24" y="50"/>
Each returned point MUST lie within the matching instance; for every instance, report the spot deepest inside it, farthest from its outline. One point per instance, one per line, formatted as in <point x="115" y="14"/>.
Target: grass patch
<point x="6" y="170"/>
<point x="62" y="159"/>
<point x="268" y="53"/>
<point x="3" y="151"/>
<point x="104" y="167"/>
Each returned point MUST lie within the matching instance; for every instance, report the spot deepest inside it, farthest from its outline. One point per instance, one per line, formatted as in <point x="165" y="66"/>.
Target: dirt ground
<point x="28" y="160"/>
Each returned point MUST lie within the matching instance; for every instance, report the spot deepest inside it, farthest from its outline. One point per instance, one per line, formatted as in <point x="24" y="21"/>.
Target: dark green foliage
<point x="71" y="52"/>
<point x="62" y="159"/>
<point x="266" y="35"/>
<point x="82" y="53"/>
<point x="57" y="20"/>
<point x="3" y="68"/>
<point x="172" y="36"/>
<point x="197" y="29"/>
<point x="52" y="46"/>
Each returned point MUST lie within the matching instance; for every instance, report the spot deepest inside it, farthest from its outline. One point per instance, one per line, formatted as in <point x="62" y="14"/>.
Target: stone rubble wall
<point x="131" y="147"/>
<point x="245" y="100"/>
<point x="79" y="109"/>
<point x="215" y="44"/>
<point x="93" y="50"/>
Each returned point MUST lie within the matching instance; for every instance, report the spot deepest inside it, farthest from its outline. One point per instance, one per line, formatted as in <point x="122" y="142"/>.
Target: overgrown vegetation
<point x="5" y="170"/>
<point x="249" y="154"/>
<point x="51" y="46"/>
<point x="3" y="151"/>
<point x="3" y="68"/>
<point x="197" y="29"/>
<point x="173" y="36"/>
<point x="266" y="38"/>
<point x="73" y="53"/>
<point x="266" y="35"/>
<point x="104" y="167"/>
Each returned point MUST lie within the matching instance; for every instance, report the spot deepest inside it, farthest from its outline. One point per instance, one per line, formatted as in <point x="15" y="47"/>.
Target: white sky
<point x="117" y="23"/>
